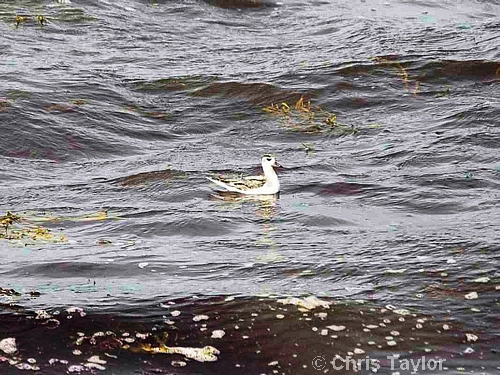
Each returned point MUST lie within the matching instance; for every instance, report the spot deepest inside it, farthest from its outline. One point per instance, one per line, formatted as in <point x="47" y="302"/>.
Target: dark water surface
<point x="113" y="112"/>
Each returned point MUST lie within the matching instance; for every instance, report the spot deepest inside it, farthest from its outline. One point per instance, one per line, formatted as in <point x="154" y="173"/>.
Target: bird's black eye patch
<point x="269" y="159"/>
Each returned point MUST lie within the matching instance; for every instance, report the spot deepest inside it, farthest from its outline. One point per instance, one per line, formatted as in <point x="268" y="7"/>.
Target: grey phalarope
<point x="254" y="185"/>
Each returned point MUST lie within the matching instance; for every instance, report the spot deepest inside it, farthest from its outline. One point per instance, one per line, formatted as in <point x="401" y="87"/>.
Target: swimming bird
<point x="254" y="185"/>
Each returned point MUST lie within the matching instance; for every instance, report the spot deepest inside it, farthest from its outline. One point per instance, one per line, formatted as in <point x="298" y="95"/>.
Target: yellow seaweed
<point x="303" y="118"/>
<point x="8" y="219"/>
<point x="35" y="234"/>
<point x="98" y="216"/>
<point x="405" y="77"/>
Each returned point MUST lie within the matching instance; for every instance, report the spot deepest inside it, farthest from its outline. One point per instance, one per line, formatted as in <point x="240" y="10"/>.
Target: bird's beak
<point x="276" y="164"/>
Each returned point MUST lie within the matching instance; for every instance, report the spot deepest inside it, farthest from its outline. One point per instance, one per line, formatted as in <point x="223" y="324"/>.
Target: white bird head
<point x="269" y="161"/>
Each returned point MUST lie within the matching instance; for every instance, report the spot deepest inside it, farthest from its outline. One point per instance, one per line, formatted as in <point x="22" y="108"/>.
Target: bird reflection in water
<point x="265" y="209"/>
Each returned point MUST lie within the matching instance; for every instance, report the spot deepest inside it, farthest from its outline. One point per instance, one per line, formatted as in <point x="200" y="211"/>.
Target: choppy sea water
<point x="383" y="241"/>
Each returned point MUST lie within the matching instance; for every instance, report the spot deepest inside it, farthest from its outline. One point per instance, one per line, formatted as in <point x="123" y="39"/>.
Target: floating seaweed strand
<point x="401" y="73"/>
<point x="8" y="220"/>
